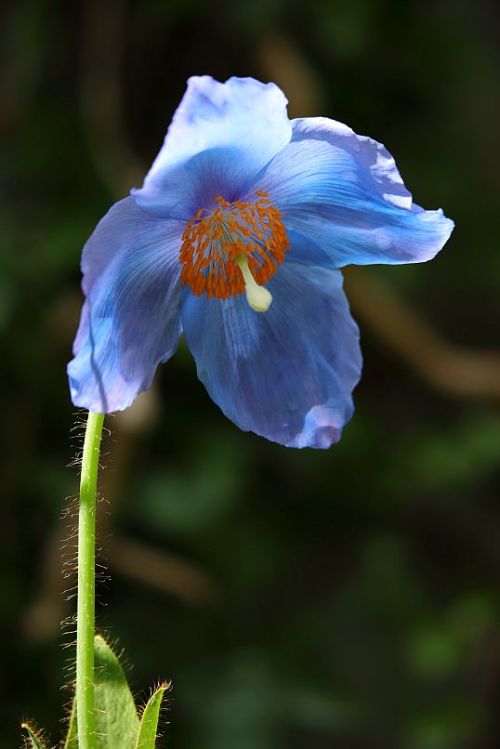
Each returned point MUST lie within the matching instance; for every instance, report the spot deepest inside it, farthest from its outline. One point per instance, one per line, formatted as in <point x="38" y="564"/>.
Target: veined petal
<point x="374" y="157"/>
<point x="130" y="321"/>
<point x="242" y="123"/>
<point x="286" y="374"/>
<point x="345" y="204"/>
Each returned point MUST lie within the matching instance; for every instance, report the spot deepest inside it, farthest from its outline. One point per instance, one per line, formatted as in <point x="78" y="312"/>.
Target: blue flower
<point x="236" y="239"/>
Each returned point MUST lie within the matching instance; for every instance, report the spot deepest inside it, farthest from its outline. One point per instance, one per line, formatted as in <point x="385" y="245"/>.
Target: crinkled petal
<point x="229" y="130"/>
<point x="131" y="318"/>
<point x="347" y="205"/>
<point x="375" y="158"/>
<point x="286" y="374"/>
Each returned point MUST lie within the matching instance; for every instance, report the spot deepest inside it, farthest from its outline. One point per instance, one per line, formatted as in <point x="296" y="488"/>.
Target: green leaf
<point x="117" y="723"/>
<point x="149" y="722"/>
<point x="34" y="739"/>
<point x="72" y="737"/>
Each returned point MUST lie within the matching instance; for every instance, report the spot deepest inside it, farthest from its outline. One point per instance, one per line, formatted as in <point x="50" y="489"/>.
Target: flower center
<point x="234" y="248"/>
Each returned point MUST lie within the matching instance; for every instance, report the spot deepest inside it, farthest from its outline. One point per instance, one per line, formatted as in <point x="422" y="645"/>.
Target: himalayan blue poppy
<point x="236" y="239"/>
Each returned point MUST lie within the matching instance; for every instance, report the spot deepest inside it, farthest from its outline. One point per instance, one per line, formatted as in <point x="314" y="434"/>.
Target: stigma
<point x="234" y="248"/>
<point x="258" y="298"/>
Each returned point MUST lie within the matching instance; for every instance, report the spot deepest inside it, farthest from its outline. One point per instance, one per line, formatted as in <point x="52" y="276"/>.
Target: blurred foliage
<point x="355" y="593"/>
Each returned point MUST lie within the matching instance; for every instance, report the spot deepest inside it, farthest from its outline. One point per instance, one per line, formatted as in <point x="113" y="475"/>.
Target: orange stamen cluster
<point x="214" y="240"/>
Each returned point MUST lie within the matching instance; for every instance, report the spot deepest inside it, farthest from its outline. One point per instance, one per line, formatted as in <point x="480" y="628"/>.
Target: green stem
<point x="86" y="584"/>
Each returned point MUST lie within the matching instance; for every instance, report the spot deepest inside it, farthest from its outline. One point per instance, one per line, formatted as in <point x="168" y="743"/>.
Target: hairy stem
<point x="86" y="583"/>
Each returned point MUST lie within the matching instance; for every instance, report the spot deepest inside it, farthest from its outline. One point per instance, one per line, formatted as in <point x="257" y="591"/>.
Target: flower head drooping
<point x="236" y="239"/>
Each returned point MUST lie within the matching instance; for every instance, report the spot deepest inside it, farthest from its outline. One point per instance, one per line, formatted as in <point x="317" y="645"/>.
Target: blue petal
<point x="196" y="183"/>
<point x="233" y="129"/>
<point x="345" y="194"/>
<point x="376" y="160"/>
<point x="131" y="320"/>
<point x="286" y="374"/>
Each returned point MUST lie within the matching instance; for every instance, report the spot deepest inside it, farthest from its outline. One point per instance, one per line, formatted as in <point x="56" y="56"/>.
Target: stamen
<point x="234" y="248"/>
<point x="258" y="298"/>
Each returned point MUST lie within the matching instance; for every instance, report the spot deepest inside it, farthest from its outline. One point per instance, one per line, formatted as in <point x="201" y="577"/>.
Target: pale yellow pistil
<point x="258" y="298"/>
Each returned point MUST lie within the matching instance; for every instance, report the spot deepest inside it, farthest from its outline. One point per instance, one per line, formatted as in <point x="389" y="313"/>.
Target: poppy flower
<point x="236" y="239"/>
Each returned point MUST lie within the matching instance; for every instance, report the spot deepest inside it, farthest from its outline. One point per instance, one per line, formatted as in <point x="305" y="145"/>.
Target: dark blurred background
<point x="299" y="599"/>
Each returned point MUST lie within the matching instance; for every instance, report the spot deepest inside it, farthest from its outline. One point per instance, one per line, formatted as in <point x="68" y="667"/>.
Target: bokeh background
<point x="300" y="599"/>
